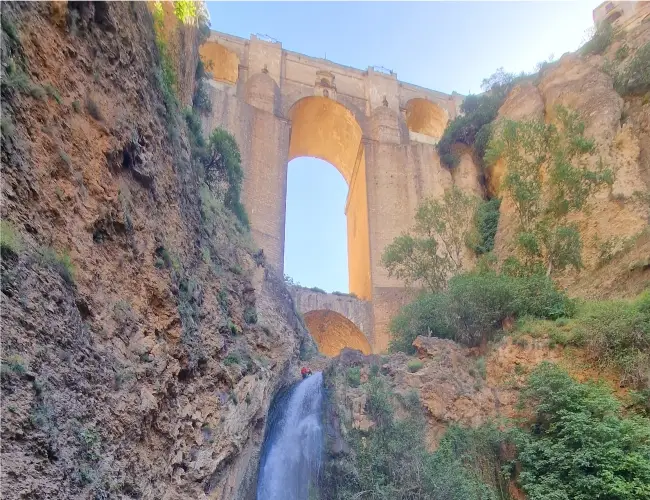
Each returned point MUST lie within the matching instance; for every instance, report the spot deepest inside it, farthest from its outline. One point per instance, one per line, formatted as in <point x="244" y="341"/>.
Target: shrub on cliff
<point x="473" y="127"/>
<point x="390" y="460"/>
<point x="634" y="77"/>
<point x="614" y="333"/>
<point x="10" y="239"/>
<point x="617" y="333"/>
<point x="599" y="41"/>
<point x="579" y="446"/>
<point x="433" y="250"/>
<point x="224" y="157"/>
<point x="486" y="220"/>
<point x="474" y="306"/>
<point x="548" y="179"/>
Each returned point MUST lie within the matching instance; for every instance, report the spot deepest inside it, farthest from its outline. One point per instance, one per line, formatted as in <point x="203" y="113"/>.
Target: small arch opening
<point x="333" y="332"/>
<point x="426" y="118"/>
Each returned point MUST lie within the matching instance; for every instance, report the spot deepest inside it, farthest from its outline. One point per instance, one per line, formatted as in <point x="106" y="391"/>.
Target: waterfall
<point x="291" y="455"/>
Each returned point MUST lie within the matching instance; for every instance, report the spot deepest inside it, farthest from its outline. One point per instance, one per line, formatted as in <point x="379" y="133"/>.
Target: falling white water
<point x="292" y="458"/>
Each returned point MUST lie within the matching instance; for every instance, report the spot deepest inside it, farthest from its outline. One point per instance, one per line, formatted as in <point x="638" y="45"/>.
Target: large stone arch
<point x="323" y="128"/>
<point x="333" y="332"/>
<point x="391" y="171"/>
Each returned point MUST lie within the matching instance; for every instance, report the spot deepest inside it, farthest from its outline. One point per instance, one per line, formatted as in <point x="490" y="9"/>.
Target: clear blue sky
<point x="446" y="46"/>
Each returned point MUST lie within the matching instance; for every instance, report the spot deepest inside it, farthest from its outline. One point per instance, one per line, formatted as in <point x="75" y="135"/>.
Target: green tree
<point x="548" y="179"/>
<point x="433" y="251"/>
<point x="223" y="158"/>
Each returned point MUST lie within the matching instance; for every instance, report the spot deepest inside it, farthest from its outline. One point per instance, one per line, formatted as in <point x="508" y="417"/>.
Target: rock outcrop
<point x="141" y="342"/>
<point x="617" y="216"/>
<point x="455" y="385"/>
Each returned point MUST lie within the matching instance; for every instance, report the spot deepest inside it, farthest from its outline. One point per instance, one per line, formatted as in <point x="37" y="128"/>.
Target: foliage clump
<point x="473" y="128"/>
<point x="632" y="78"/>
<point x="474" y="306"/>
<point x="390" y="460"/>
<point x="10" y="239"/>
<point x="599" y="41"/>
<point x="579" y="446"/>
<point x="487" y="221"/>
<point x="613" y="333"/>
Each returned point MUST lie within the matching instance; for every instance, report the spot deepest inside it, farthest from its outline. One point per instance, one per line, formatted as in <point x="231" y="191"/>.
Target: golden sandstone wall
<point x="380" y="133"/>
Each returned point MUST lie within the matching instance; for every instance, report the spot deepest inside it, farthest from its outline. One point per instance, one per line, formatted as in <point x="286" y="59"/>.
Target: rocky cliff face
<point x="614" y="231"/>
<point x="143" y="336"/>
<point x="455" y="385"/>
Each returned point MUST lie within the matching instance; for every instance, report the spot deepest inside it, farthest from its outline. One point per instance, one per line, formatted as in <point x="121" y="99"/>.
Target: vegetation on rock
<point x="390" y="460"/>
<point x="473" y="128"/>
<point x="614" y="334"/>
<point x="487" y="221"/>
<point x="474" y="306"/>
<point x="548" y="179"/>
<point x="579" y="445"/>
<point x="433" y="251"/>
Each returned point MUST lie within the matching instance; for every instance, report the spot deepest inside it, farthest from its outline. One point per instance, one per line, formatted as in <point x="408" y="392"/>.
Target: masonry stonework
<point x="379" y="132"/>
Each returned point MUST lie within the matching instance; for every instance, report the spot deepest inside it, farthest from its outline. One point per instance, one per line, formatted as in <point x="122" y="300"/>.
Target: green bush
<point x="353" y="377"/>
<point x="487" y="221"/>
<point x="433" y="249"/>
<point x="579" y="445"/>
<point x="548" y="182"/>
<point x="473" y="127"/>
<point x="52" y="92"/>
<point x="201" y="99"/>
<point x="617" y="334"/>
<point x="424" y="316"/>
<point x="185" y="11"/>
<point x="232" y="359"/>
<point x="223" y="156"/>
<point x="414" y="365"/>
<point x="474" y="306"/>
<point x="634" y="78"/>
<point x="166" y="74"/>
<point x="60" y="262"/>
<point x="250" y="315"/>
<point x="390" y="460"/>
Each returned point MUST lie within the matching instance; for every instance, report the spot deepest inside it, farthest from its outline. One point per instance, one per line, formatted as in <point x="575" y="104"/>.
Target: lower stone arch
<point x="332" y="332"/>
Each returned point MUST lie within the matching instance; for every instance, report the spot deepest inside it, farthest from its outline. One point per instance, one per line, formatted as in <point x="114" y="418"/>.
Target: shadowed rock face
<point x="139" y="376"/>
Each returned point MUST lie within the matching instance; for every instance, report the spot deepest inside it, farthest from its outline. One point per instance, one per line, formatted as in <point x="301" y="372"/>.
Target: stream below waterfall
<point x="293" y="445"/>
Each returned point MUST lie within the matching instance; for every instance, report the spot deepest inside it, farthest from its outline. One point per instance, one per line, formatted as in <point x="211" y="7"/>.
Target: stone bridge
<point x="378" y="132"/>
<point x="335" y="320"/>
